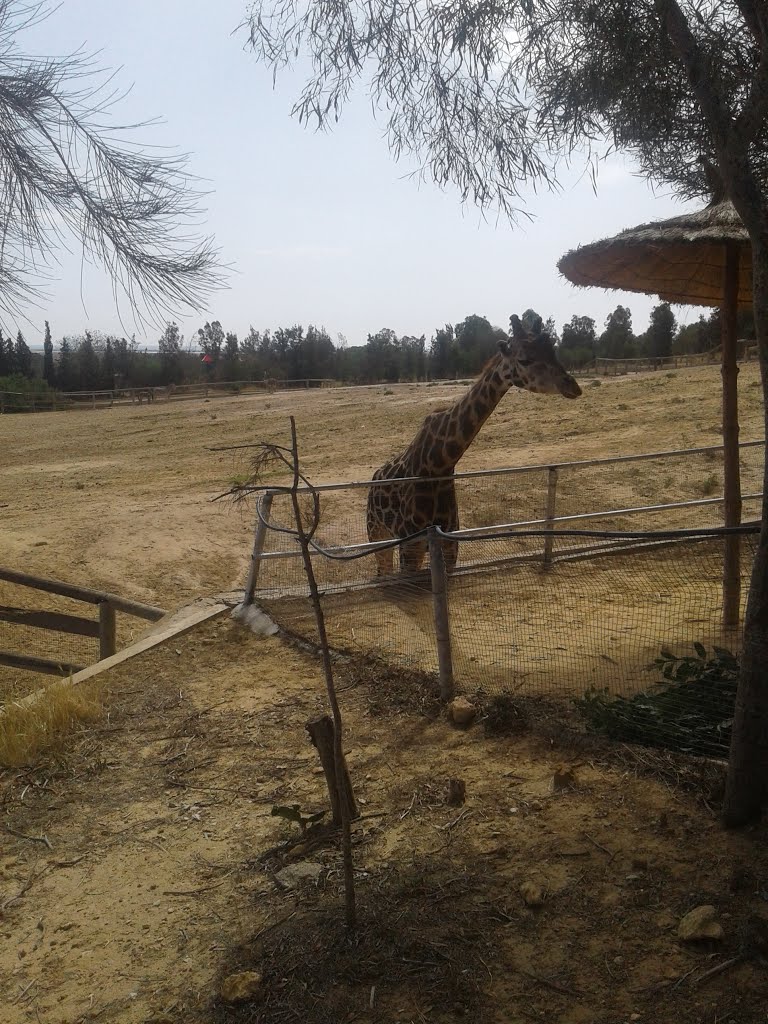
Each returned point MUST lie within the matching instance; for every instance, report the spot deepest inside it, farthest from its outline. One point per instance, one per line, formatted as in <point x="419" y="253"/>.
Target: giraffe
<point x="526" y="360"/>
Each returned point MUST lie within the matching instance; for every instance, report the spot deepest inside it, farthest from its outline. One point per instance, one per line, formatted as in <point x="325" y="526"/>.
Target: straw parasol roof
<point x="699" y="259"/>
<point x="682" y="260"/>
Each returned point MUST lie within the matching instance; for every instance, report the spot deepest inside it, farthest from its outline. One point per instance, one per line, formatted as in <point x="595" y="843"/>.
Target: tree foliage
<point x="661" y="333"/>
<point x="66" y="171"/>
<point x="489" y="96"/>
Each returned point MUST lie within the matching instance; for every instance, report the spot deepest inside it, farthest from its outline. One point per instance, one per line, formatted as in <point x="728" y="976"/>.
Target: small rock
<point x="461" y="712"/>
<point x="700" y="923"/>
<point x="665" y="920"/>
<point x="296" y="875"/>
<point x="239" y="987"/>
<point x="564" y="778"/>
<point x="532" y="893"/>
<point x="457" y="792"/>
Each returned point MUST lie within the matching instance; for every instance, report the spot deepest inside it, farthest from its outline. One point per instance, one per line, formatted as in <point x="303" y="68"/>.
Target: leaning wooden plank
<point x="49" y="620"/>
<point x="181" y="624"/>
<point x="32" y="664"/>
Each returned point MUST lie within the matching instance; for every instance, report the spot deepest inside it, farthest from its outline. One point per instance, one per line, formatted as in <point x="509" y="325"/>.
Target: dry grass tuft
<point x="29" y="729"/>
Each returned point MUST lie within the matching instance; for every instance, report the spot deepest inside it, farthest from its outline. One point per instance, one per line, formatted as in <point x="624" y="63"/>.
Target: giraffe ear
<point x="504" y="347"/>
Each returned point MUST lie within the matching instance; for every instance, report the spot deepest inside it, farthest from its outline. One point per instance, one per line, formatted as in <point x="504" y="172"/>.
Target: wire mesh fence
<point x="635" y="637"/>
<point x="616" y="608"/>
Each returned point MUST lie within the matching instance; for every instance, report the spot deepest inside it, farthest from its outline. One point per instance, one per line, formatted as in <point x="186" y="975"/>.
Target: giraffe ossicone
<point x="526" y="359"/>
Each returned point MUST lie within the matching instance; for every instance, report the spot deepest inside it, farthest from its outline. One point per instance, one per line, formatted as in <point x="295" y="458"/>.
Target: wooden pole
<point x="321" y="733"/>
<point x="731" y="476"/>
<point x="550" y="514"/>
<point x="107" y="630"/>
<point x="440" y="610"/>
<point x="258" y="547"/>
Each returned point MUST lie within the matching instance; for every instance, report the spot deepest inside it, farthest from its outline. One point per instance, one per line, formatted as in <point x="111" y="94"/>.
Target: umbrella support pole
<point x="731" y="474"/>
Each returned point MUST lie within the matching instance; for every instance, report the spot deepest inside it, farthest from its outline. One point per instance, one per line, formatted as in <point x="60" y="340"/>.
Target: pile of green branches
<point x="690" y="709"/>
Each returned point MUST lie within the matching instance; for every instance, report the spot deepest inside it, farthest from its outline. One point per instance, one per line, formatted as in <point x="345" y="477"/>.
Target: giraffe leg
<point x="385" y="557"/>
<point x="412" y="556"/>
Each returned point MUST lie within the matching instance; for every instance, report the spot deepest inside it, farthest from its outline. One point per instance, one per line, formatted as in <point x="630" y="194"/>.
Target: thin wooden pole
<point x="731" y="475"/>
<point x="442" y="622"/>
<point x="549" y="523"/>
<point x="258" y="547"/>
<point x="107" y="630"/>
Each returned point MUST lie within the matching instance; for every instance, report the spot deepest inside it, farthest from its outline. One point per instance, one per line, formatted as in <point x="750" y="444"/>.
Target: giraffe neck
<point x="448" y="434"/>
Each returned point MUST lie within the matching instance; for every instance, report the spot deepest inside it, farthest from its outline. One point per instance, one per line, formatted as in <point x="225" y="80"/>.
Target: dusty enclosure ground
<point x="139" y="865"/>
<point x="142" y="865"/>
<point x="120" y="498"/>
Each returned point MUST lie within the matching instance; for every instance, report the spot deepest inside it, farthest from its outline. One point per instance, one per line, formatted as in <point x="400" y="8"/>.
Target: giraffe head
<point x="530" y="360"/>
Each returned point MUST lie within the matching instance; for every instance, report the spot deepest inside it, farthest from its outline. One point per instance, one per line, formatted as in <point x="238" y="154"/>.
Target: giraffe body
<point x="396" y="510"/>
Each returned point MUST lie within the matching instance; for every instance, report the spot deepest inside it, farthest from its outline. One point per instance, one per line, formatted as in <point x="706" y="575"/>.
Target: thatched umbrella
<point x="700" y="259"/>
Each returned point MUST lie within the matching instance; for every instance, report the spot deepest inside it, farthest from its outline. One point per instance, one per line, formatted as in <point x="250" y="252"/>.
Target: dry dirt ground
<point x="135" y="865"/>
<point x="140" y="866"/>
<point x="121" y="498"/>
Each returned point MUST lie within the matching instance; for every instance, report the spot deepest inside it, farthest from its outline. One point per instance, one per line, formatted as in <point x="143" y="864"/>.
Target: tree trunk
<point x="747" y="783"/>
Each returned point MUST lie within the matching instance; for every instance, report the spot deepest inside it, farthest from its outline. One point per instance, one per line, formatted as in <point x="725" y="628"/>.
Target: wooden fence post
<point x="107" y="630"/>
<point x="258" y="547"/>
<point x="440" y="610"/>
<point x="549" y="515"/>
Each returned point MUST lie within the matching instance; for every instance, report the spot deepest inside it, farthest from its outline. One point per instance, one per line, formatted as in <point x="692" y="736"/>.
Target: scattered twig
<point x="25" y="888"/>
<point x="718" y="969"/>
<point x="23" y="992"/>
<point x="554" y="985"/>
<point x="273" y="925"/>
<point x="682" y="977"/>
<point x="31" y="839"/>
<point x="452" y="824"/>
<point x="599" y="846"/>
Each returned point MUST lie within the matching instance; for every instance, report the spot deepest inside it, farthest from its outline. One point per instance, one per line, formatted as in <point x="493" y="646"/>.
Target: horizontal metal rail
<point x="505" y="471"/>
<point x="477" y="532"/>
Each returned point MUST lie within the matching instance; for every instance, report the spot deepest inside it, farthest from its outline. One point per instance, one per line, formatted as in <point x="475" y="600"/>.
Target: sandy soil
<point x="136" y="871"/>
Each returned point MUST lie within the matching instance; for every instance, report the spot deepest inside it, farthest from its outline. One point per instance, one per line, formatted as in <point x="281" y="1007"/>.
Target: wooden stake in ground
<point x="323" y="736"/>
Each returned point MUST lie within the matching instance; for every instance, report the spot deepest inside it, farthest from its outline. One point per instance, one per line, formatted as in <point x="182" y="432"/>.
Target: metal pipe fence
<point x="578" y="596"/>
<point x="550" y="496"/>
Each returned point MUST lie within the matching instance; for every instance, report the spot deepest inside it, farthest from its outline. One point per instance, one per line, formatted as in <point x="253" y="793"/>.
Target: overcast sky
<point x="322" y="228"/>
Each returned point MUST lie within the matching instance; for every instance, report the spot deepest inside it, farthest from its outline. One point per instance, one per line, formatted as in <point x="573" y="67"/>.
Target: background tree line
<point x="94" y="361"/>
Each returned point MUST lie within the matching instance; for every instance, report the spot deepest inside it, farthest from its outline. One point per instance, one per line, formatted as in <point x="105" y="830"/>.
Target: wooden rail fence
<point x="58" y="401"/>
<point x="103" y="628"/>
<point x="613" y="367"/>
